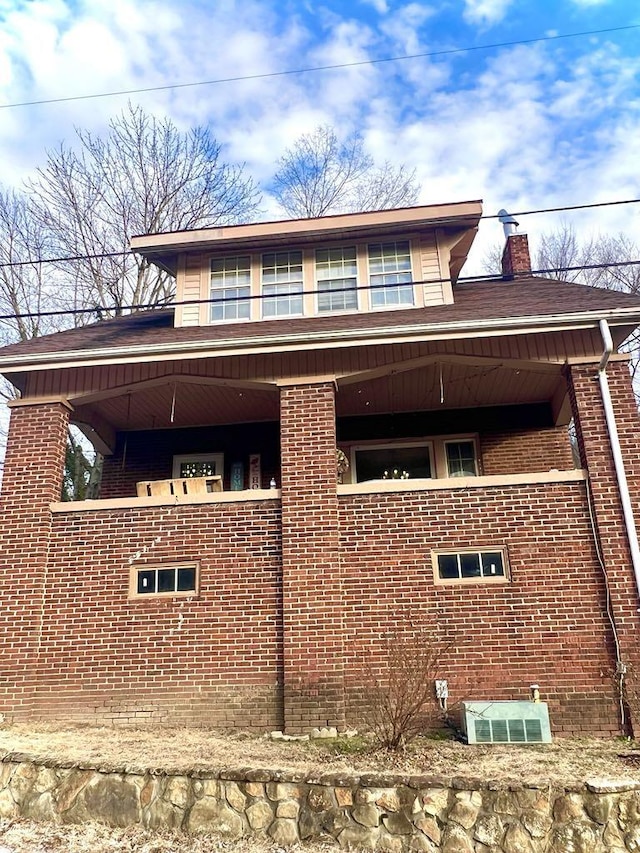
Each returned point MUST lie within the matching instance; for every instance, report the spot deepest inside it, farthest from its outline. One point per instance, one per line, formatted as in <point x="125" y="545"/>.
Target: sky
<point x="479" y="115"/>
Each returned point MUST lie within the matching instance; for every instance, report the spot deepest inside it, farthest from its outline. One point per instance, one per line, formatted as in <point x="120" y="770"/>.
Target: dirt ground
<point x="564" y="762"/>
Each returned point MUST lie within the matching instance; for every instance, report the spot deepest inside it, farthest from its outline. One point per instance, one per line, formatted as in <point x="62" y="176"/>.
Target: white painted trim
<point x="450" y="483"/>
<point x="166" y="500"/>
<point x="300" y="342"/>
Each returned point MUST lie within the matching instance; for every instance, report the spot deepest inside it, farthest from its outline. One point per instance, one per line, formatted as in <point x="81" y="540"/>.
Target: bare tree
<point x="144" y="176"/>
<point x="321" y="174"/>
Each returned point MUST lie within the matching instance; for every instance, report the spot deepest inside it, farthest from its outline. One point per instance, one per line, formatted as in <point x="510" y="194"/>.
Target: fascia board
<point x="321" y="340"/>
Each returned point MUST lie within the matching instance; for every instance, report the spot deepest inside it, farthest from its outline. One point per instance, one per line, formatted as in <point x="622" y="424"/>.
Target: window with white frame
<point x="392" y="461"/>
<point x="488" y="564"/>
<point x="461" y="458"/>
<point x="230" y="288"/>
<point x="282" y="279"/>
<point x="390" y="274"/>
<point x="198" y="465"/>
<point x="164" y="580"/>
<point x="336" y="279"/>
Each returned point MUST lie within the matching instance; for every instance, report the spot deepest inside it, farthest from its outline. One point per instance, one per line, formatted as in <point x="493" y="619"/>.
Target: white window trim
<point x="143" y="596"/>
<point x="486" y="579"/>
<point x="217" y="458"/>
<point x="309" y="283"/>
<point x="436" y="444"/>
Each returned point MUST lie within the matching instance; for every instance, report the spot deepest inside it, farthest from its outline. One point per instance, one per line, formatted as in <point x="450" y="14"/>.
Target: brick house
<point x="229" y="575"/>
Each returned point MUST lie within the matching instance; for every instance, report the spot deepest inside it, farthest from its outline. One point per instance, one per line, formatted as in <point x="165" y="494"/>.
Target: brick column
<point x="312" y="590"/>
<point x="32" y="479"/>
<point x="596" y="457"/>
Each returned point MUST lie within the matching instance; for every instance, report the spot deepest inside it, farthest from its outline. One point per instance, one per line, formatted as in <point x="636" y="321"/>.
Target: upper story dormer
<point x="359" y="262"/>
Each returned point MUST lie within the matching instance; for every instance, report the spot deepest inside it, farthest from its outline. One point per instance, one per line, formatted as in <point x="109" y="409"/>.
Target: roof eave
<point x="320" y="339"/>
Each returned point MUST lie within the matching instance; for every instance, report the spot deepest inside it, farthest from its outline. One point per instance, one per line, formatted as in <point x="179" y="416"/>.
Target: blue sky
<point x="521" y="126"/>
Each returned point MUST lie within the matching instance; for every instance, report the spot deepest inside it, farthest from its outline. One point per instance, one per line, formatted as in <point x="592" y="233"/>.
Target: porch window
<point x="336" y="276"/>
<point x="230" y="288"/>
<point x="390" y="274"/>
<point x="198" y="465"/>
<point x="164" y="580"/>
<point x="392" y="462"/>
<point x="470" y="565"/>
<point x="461" y="458"/>
<point x="282" y="284"/>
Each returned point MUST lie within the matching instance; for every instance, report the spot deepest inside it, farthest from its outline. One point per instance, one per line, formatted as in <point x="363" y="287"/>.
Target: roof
<point x="163" y="249"/>
<point x="481" y="307"/>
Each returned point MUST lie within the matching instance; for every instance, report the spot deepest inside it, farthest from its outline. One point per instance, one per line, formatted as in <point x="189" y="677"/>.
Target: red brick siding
<point x="526" y="451"/>
<point x="312" y="589"/>
<point x="32" y="479"/>
<point x="213" y="659"/>
<point x="547" y="625"/>
<point x="596" y="454"/>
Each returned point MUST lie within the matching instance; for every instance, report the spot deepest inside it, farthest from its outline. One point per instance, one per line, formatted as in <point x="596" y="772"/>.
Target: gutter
<point x="614" y="442"/>
<point x="305" y="340"/>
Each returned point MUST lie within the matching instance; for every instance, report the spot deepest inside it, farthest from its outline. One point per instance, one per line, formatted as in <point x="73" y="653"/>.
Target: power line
<point x="125" y="252"/>
<point x="220" y="300"/>
<point x="313" y="69"/>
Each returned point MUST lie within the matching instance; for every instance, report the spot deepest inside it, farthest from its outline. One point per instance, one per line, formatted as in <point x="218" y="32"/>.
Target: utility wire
<point x="219" y="300"/>
<point x="313" y="69"/>
<point x="124" y="252"/>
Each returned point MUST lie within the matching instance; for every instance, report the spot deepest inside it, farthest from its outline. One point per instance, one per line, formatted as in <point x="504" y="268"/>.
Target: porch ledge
<point x="448" y="483"/>
<point x="166" y="500"/>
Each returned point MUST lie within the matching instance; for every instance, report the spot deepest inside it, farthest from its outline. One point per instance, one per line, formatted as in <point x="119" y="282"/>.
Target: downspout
<point x="614" y="441"/>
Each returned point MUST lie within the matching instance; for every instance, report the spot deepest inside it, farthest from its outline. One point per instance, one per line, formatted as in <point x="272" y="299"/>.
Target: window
<point x="336" y="277"/>
<point x="390" y="274"/>
<point x="167" y="581"/>
<point x="392" y="462"/>
<point x="470" y="565"/>
<point x="198" y="465"/>
<point x="230" y="288"/>
<point x="281" y="284"/>
<point x="461" y="458"/>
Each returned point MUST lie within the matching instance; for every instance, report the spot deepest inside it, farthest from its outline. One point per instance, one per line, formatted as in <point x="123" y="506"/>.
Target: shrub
<point x="400" y="684"/>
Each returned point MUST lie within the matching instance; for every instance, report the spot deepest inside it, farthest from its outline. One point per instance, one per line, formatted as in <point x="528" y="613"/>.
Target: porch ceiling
<point x="418" y="385"/>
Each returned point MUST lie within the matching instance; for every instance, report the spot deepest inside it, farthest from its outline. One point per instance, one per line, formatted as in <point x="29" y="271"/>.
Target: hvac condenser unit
<point x="506" y="722"/>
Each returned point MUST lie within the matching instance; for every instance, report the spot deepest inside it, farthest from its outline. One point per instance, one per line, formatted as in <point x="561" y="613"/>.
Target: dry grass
<point x="566" y="761"/>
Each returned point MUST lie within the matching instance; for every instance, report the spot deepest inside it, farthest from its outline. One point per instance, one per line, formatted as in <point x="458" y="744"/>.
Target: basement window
<point x="164" y="581"/>
<point x="470" y="565"/>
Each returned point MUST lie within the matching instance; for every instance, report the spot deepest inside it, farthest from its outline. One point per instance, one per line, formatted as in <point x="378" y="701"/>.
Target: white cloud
<point x="381" y="6"/>
<point x="485" y="11"/>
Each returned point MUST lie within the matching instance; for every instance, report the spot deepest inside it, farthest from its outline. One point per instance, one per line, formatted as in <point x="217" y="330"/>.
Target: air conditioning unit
<point x="506" y="722"/>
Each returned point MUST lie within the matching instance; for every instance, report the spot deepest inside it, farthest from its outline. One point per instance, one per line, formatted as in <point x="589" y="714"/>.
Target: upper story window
<point x="461" y="458"/>
<point x="231" y="288"/>
<point x="390" y="274"/>
<point x="437" y="456"/>
<point x="336" y="279"/>
<point x="282" y="284"/>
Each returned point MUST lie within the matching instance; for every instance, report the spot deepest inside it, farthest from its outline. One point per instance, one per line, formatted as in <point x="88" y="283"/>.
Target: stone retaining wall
<point x="385" y="812"/>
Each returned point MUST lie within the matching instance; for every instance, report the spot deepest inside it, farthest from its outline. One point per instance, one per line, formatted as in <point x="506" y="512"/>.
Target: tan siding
<point x="191" y="289"/>
<point x="430" y="269"/>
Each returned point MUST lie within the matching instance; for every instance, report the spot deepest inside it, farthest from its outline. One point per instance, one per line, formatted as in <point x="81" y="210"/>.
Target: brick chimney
<point x="515" y="257"/>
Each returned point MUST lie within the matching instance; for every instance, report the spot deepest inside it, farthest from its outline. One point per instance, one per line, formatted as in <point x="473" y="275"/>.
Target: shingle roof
<point x="474" y="302"/>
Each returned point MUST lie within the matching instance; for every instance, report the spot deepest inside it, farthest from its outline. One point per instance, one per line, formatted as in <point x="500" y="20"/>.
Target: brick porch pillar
<point x="596" y="457"/>
<point x="32" y="479"/>
<point x="312" y="589"/>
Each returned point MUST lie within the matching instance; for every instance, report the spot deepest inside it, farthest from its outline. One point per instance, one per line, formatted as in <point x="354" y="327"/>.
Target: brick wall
<point x="312" y="589"/>
<point x="213" y="659"/>
<point x="546" y="626"/>
<point x="597" y="458"/>
<point x="32" y="478"/>
<point x="525" y="451"/>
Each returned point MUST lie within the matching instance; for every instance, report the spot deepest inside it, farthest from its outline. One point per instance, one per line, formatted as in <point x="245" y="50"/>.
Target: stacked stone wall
<point x="382" y="812"/>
